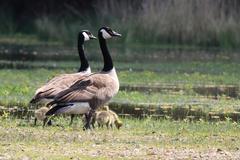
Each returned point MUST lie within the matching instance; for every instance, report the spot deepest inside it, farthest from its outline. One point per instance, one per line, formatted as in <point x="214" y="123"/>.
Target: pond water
<point x="119" y="53"/>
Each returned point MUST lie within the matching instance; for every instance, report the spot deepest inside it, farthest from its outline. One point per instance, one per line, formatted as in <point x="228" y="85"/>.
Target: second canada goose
<point x="86" y="95"/>
<point x="61" y="82"/>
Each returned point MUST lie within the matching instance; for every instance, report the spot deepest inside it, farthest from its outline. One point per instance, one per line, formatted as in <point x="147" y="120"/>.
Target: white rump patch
<point x="105" y="34"/>
<point x="86" y="37"/>
<point x="76" y="108"/>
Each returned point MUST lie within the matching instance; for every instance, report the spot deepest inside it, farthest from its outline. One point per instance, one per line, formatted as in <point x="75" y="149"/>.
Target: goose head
<point x="107" y="32"/>
<point x="86" y="35"/>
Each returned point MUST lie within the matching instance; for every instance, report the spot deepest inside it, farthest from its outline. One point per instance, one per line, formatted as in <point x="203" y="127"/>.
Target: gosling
<point x="106" y="117"/>
<point x="117" y="121"/>
<point x="40" y="115"/>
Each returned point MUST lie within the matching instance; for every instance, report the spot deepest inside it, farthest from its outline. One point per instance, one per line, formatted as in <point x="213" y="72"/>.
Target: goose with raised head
<point x="59" y="83"/>
<point x="62" y="82"/>
<point x="93" y="91"/>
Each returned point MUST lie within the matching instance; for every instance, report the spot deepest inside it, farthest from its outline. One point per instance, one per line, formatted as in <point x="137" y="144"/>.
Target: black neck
<point x="108" y="64"/>
<point x="83" y="59"/>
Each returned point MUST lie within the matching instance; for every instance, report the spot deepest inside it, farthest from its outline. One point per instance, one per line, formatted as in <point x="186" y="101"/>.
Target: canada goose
<point x="40" y="115"/>
<point x="106" y="117"/>
<point x="62" y="82"/>
<point x="93" y="91"/>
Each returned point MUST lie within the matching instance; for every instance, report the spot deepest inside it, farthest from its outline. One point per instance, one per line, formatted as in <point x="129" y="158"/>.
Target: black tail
<point x="33" y="101"/>
<point x="49" y="123"/>
<point x="54" y="109"/>
<point x="51" y="103"/>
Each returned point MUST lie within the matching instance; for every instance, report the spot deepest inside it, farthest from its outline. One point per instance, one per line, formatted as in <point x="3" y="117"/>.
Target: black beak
<point x="92" y="37"/>
<point x="116" y="34"/>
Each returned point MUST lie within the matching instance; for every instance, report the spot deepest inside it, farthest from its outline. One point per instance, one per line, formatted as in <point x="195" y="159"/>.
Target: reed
<point x="204" y="23"/>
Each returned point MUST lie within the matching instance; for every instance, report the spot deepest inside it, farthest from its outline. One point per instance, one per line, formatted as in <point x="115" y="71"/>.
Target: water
<point x="119" y="54"/>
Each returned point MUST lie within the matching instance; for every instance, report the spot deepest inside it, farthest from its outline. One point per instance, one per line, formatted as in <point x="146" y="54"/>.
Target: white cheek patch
<point x="105" y="34"/>
<point x="86" y="37"/>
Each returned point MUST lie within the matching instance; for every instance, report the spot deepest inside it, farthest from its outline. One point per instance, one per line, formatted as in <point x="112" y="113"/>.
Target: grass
<point x="144" y="139"/>
<point x="136" y="72"/>
<point x="221" y="104"/>
<point x="148" y="77"/>
<point x="19" y="89"/>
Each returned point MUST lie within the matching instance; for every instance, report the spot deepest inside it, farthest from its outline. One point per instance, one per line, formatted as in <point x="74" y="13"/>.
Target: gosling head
<point x="107" y="32"/>
<point x="118" y="124"/>
<point x="105" y="108"/>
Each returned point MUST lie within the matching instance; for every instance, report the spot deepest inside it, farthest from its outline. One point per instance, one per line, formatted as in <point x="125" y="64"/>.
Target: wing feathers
<point x="56" y="85"/>
<point x="56" y="109"/>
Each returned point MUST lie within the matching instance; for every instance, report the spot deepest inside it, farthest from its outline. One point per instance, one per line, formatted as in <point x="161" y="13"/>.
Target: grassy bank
<point x="185" y="97"/>
<point x="19" y="89"/>
<point x="138" y="139"/>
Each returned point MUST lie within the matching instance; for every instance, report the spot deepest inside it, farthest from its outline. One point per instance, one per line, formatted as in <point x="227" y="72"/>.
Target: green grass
<point x="136" y="139"/>
<point x="178" y="99"/>
<point x="18" y="86"/>
<point x="139" y="138"/>
<point x="196" y="78"/>
<point x="136" y="72"/>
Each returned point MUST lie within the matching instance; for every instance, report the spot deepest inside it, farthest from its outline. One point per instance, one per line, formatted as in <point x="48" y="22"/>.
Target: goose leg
<point x="45" y="121"/>
<point x="35" y="121"/>
<point x="72" y="116"/>
<point x="111" y="125"/>
<point x="88" y="119"/>
<point x="93" y="122"/>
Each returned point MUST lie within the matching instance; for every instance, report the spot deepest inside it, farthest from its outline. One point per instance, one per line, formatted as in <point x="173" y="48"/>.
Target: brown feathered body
<point x="56" y="85"/>
<point x="96" y="89"/>
<point x="90" y="93"/>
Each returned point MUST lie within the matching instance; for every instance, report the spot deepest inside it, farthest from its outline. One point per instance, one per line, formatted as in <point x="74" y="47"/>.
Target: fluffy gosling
<point x="106" y="117"/>
<point x="40" y="115"/>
